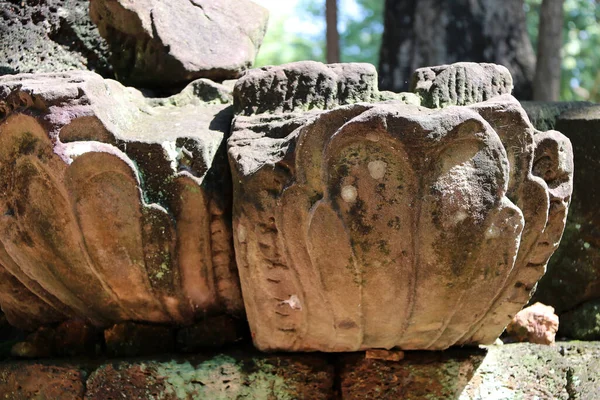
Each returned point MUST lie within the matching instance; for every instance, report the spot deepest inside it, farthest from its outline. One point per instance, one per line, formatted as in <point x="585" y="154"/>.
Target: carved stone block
<point x="386" y="224"/>
<point x="113" y="207"/>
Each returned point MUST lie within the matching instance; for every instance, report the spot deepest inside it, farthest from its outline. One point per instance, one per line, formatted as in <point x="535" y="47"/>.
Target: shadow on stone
<point x="420" y="375"/>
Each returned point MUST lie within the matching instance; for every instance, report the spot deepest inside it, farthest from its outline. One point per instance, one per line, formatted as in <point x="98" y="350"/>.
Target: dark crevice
<point x="336" y="390"/>
<point x="570" y="386"/>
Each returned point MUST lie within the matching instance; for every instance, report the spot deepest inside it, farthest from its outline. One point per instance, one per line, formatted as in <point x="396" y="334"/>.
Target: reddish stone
<point x="36" y="381"/>
<point x="127" y="381"/>
<point x="76" y="337"/>
<point x="534" y="324"/>
<point x="421" y="375"/>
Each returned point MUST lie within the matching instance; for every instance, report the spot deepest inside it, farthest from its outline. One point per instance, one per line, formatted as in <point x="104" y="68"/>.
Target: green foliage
<point x="581" y="58"/>
<point x="360" y="23"/>
<point x="580" y="78"/>
<point x="281" y="46"/>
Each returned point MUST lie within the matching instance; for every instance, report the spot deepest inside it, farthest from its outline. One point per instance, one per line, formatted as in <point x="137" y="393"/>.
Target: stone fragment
<point x="70" y="338"/>
<point x="574" y="272"/>
<point x="387" y="355"/>
<point x="222" y="376"/>
<point x="50" y="36"/>
<point x="583" y="322"/>
<point x="130" y="339"/>
<point x="460" y="84"/>
<point x="165" y="43"/>
<point x="114" y="206"/>
<point x="38" y="344"/>
<point x="26" y="381"/>
<point x="421" y="375"/>
<point x="385" y="224"/>
<point x="535" y="324"/>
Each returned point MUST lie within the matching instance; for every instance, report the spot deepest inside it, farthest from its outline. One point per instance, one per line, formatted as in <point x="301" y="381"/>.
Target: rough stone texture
<point x="114" y="207"/>
<point x="388" y="224"/>
<point x="50" y="36"/>
<point x="26" y="381"/>
<point x="460" y="84"/>
<point x="219" y="377"/>
<point x="309" y="85"/>
<point x="513" y="371"/>
<point x="534" y="324"/>
<point x="574" y="274"/>
<point x="531" y="371"/>
<point x="161" y="43"/>
<point x="420" y="375"/>
<point x="583" y="322"/>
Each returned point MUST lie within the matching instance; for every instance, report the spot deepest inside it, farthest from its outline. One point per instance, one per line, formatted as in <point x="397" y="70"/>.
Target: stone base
<point x="569" y="370"/>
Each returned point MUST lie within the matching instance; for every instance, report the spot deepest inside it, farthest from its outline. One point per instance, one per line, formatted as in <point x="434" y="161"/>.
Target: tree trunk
<point x="546" y="85"/>
<point x="333" y="36"/>
<point x="420" y="33"/>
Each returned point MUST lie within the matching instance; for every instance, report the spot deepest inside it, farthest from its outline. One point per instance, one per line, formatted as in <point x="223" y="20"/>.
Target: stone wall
<point x="568" y="371"/>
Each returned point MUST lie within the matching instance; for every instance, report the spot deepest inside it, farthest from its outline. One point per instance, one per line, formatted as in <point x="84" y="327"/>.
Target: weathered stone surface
<point x="219" y="377"/>
<point x="50" y="36"/>
<point x="534" y="324"/>
<point x="114" y="207"/>
<point x="529" y="371"/>
<point x="171" y="42"/>
<point x="460" y="84"/>
<point x="583" y="322"/>
<point x="26" y="381"/>
<point x="513" y="371"/>
<point x="574" y="274"/>
<point x="388" y="224"/>
<point x="420" y="375"/>
<point x="309" y="85"/>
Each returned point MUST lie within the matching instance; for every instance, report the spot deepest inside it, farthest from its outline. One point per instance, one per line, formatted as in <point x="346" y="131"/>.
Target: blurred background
<point x="398" y="36"/>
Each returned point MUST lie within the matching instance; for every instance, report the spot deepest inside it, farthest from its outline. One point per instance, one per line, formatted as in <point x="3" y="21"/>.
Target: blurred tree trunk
<point x="546" y="85"/>
<point x="333" y="36"/>
<point x="420" y="33"/>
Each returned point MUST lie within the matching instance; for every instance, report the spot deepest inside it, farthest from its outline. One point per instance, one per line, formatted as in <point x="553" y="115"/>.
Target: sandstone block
<point x="363" y="224"/>
<point x="114" y="206"/>
<point x="222" y="376"/>
<point x="161" y="43"/>
<point x="421" y="375"/>
<point x="25" y="381"/>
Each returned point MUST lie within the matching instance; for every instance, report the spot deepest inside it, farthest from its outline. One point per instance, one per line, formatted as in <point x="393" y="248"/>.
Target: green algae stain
<point x="222" y="378"/>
